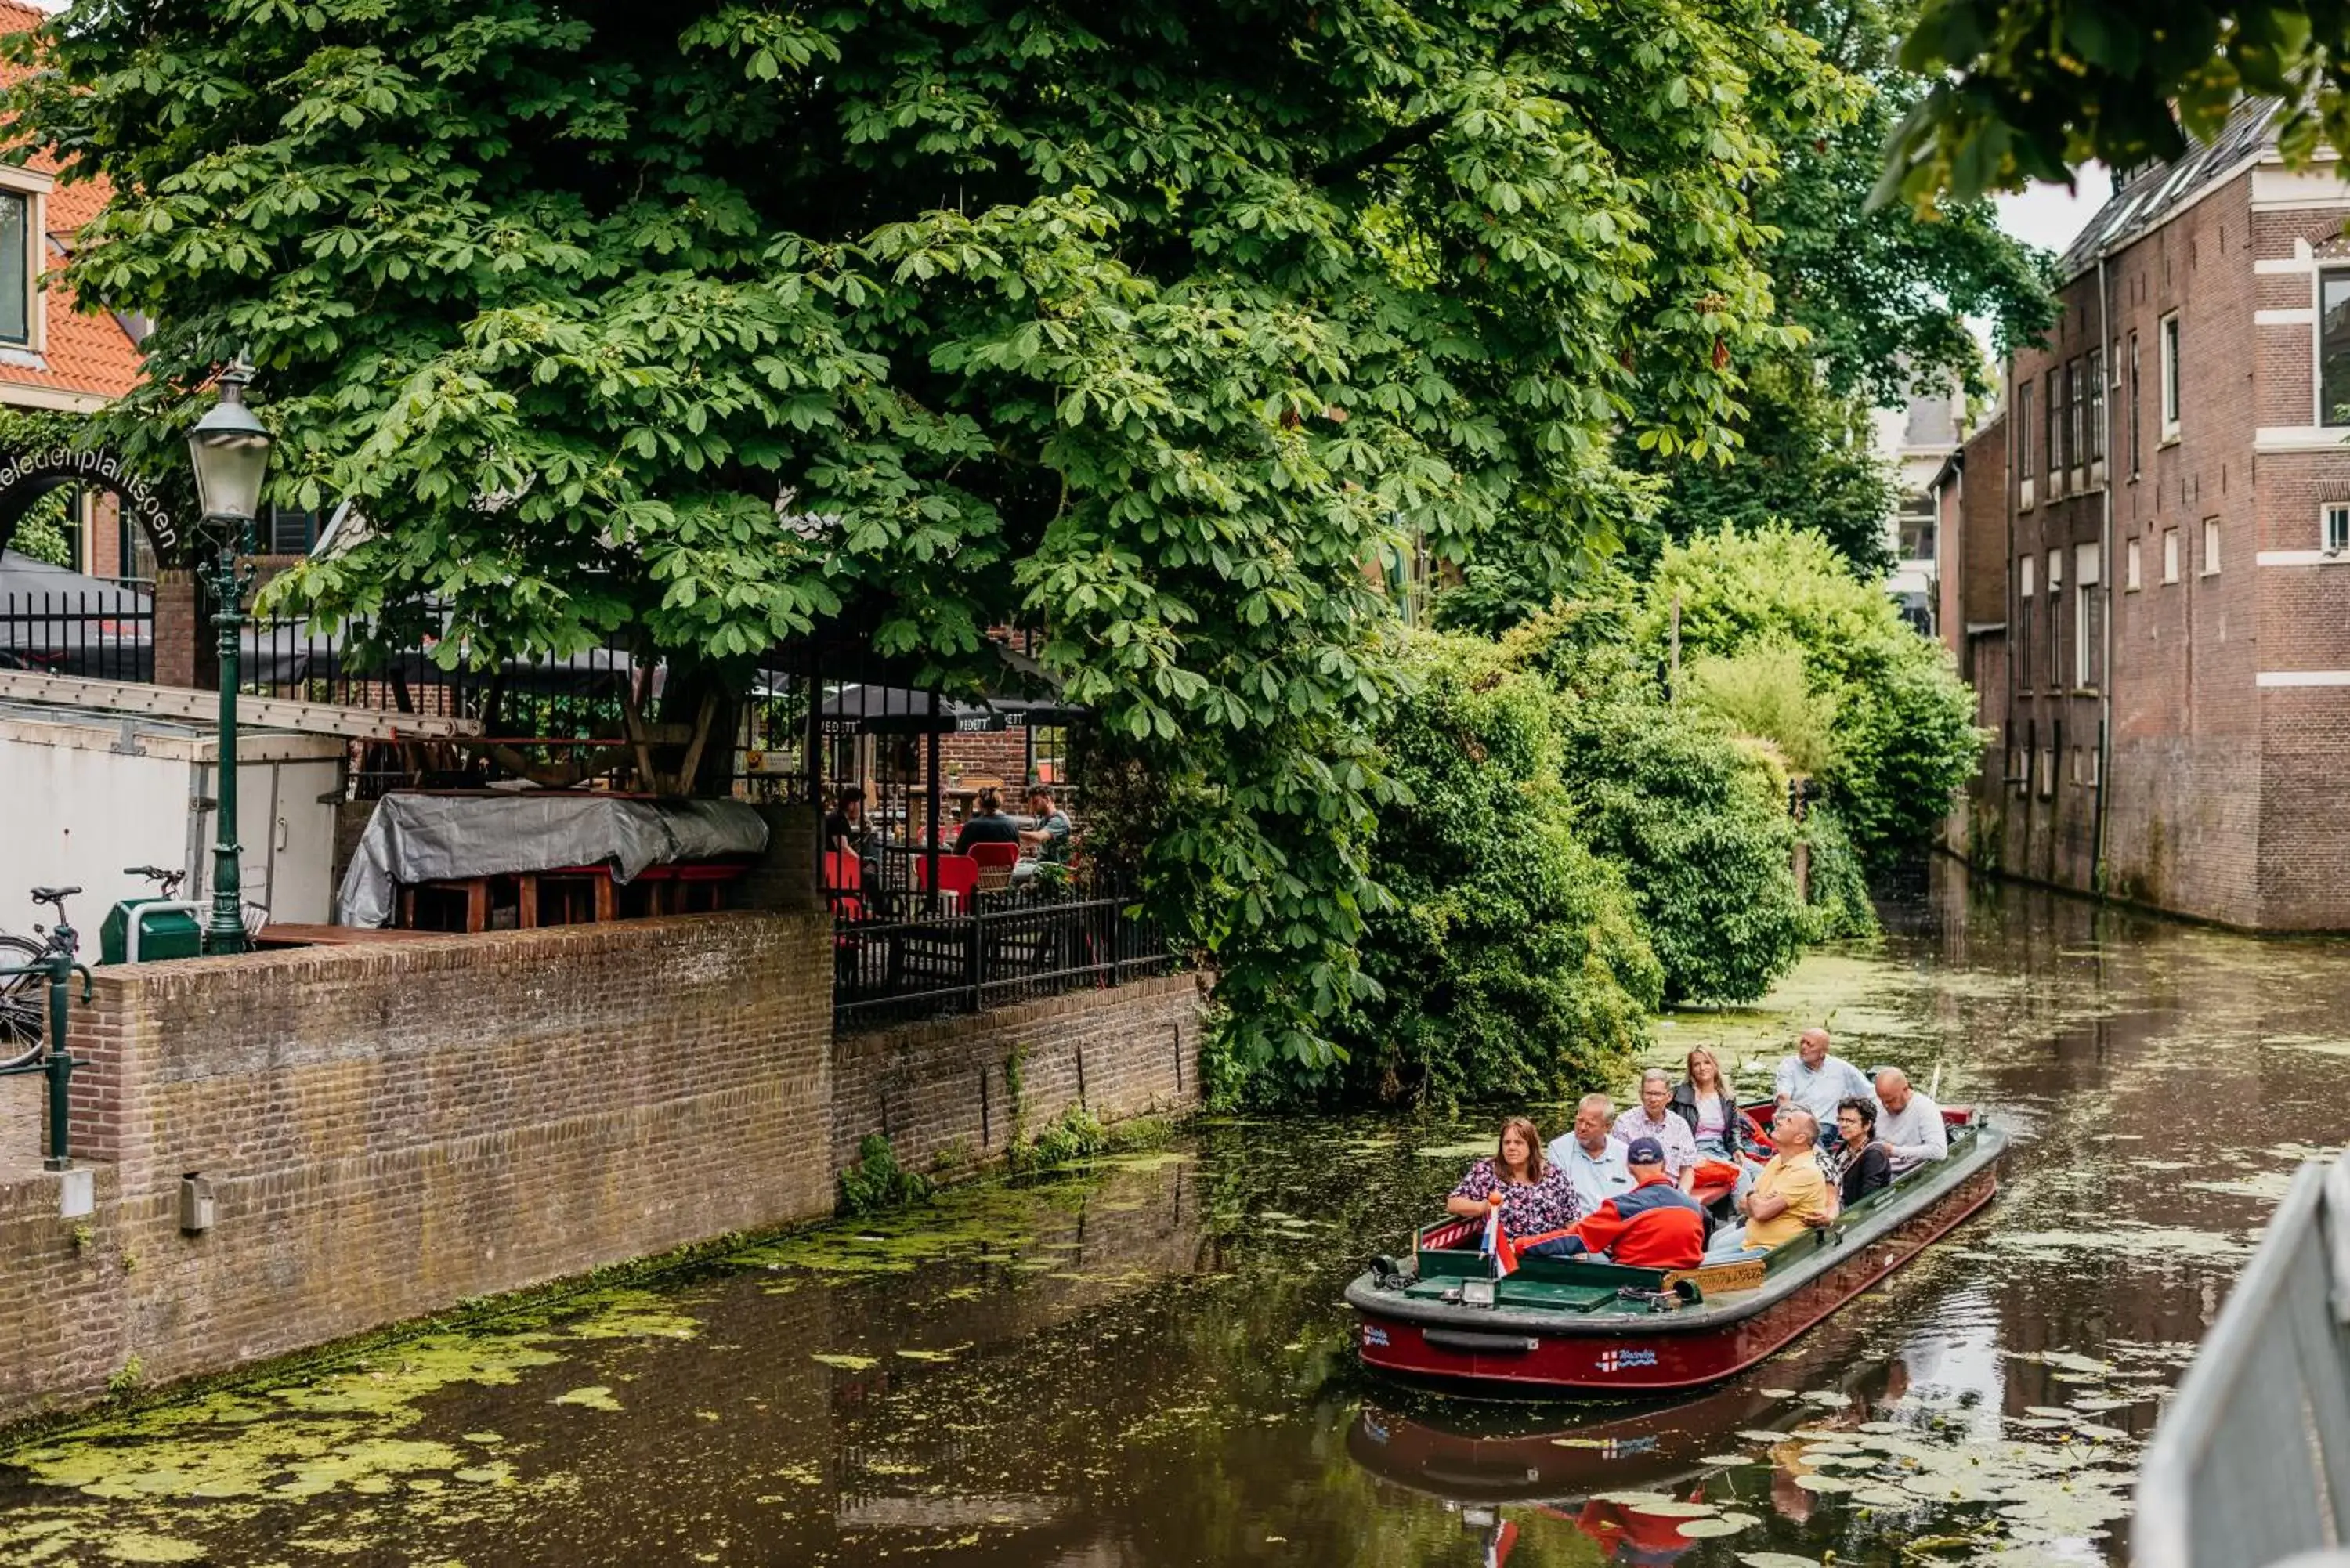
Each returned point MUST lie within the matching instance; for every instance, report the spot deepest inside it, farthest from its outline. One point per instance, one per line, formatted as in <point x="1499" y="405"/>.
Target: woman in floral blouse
<point x="1536" y="1194"/>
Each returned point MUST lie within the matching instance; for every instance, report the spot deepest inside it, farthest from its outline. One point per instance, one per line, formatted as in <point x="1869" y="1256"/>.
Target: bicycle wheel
<point x="23" y="1001"/>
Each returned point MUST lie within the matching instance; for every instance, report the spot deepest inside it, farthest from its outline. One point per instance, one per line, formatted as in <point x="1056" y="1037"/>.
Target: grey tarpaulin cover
<point x="429" y="838"/>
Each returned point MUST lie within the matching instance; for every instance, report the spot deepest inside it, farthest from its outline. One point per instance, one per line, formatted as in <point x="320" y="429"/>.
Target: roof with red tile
<point x="86" y="353"/>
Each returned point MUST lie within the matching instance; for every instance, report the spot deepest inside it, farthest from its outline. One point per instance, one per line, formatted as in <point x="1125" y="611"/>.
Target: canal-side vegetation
<point x="1593" y="814"/>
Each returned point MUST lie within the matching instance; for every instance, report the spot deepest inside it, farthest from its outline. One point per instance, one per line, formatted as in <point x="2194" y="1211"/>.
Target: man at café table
<point x="1049" y="837"/>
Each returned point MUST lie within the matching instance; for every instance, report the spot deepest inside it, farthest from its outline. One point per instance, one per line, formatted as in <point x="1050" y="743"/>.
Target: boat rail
<point x="2249" y="1465"/>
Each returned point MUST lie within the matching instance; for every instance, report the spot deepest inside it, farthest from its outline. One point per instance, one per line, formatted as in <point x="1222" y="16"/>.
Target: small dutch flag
<point x="1497" y="1240"/>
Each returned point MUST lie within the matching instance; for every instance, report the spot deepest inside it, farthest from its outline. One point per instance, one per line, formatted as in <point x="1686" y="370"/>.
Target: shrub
<point x="1078" y="1133"/>
<point x="1906" y="740"/>
<point x="877" y="1181"/>
<point x="1511" y="964"/>
<point x="1697" y="822"/>
<point x="1838" y="906"/>
<point x="1765" y="692"/>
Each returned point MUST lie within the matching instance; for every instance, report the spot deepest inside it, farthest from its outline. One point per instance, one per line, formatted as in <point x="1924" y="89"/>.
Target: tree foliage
<point x="690" y="327"/>
<point x="2030" y="90"/>
<point x="1511" y="964"/>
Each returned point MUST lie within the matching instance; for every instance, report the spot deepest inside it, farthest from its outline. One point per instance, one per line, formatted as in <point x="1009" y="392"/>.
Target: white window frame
<point x="2333" y="541"/>
<point x="2024" y="567"/>
<point x="2208" y="565"/>
<point x="34" y="187"/>
<point x="2170" y="554"/>
<point x="2168" y="353"/>
<point x="2133" y="567"/>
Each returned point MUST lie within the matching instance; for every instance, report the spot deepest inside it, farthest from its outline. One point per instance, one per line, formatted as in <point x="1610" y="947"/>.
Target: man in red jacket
<point x="1653" y="1226"/>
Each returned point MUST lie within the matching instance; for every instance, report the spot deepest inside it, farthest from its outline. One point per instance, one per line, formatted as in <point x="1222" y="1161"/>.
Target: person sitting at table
<point x="1868" y="1164"/>
<point x="988" y="825"/>
<point x="1049" y="835"/>
<point x="844" y="827"/>
<point x="1653" y="1226"/>
<point x="1537" y="1197"/>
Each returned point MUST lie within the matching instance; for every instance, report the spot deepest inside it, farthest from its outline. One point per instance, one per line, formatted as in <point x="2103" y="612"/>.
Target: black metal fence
<point x="108" y="634"/>
<point x="894" y="962"/>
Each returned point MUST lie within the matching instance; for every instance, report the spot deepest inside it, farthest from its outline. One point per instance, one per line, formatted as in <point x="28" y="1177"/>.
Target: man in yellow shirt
<point x="1789" y="1197"/>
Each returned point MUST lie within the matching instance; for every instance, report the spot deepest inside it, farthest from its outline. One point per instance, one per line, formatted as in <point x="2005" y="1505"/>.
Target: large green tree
<point x="689" y="325"/>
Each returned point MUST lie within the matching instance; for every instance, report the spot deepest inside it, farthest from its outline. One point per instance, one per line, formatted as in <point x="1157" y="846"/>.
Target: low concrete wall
<point x="943" y="1085"/>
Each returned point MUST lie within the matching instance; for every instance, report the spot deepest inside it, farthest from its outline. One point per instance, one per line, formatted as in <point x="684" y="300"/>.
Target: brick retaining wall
<point x="940" y="1085"/>
<point x="391" y="1130"/>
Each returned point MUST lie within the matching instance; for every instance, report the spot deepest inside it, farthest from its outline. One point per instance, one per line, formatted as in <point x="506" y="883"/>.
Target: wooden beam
<point x="204" y="707"/>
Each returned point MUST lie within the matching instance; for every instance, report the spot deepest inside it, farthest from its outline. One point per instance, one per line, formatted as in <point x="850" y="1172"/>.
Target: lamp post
<point x="230" y="448"/>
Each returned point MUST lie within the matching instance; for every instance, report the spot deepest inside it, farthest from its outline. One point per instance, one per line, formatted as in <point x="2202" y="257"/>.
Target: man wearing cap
<point x="1653" y="1226"/>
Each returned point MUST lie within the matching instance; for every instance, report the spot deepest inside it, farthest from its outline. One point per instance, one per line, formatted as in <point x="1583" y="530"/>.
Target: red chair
<point x="987" y="855"/>
<point x="844" y="879"/>
<point x="958" y="874"/>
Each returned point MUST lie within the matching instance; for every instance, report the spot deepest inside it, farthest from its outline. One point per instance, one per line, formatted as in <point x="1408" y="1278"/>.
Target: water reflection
<point x="1145" y="1362"/>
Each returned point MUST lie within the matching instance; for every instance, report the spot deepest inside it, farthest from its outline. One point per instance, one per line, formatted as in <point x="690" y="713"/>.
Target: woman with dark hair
<point x="1872" y="1167"/>
<point x="1536" y="1196"/>
<point x="988" y="825"/>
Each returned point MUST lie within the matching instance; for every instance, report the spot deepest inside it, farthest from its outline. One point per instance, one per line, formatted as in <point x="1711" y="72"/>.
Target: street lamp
<point x="230" y="449"/>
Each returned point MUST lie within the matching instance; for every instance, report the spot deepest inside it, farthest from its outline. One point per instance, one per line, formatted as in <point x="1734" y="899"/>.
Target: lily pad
<point x="844" y="1361"/>
<point x="1725" y="1460"/>
<point x="1822" y="1483"/>
<point x="1776" y="1560"/>
<point x="1722" y="1524"/>
<point x="1780" y="1393"/>
<point x="596" y="1397"/>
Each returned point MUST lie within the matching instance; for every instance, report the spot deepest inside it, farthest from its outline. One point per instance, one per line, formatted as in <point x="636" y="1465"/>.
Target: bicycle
<point x="25" y="996"/>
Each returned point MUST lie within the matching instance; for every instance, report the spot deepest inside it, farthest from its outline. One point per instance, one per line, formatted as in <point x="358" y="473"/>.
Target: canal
<point x="1145" y="1361"/>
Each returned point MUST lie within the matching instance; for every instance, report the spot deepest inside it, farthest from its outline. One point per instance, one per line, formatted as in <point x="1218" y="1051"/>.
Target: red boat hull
<point x="1652" y="1363"/>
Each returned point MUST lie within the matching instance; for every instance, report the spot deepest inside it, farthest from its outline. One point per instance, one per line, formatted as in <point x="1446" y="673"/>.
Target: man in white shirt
<point x="1911" y="1127"/>
<point x="1819" y="1082"/>
<point x="1655" y="1118"/>
<point x="1593" y="1160"/>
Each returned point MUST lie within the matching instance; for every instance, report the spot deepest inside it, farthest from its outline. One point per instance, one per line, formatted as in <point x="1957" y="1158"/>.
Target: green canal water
<point x="1145" y="1361"/>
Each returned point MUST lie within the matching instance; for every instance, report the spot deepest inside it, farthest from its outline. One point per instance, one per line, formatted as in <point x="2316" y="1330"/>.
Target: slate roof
<point x="86" y="353"/>
<point x="2152" y="195"/>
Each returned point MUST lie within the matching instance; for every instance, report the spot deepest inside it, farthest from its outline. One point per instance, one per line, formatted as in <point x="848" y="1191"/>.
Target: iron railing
<point x="106" y="634"/>
<point x="894" y="961"/>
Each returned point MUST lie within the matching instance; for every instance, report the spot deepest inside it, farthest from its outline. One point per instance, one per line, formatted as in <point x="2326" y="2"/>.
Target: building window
<point x="2088" y="617"/>
<point x="2055" y="620"/>
<point x="2077" y="403"/>
<point x="2170" y="554"/>
<point x="1048" y="754"/>
<point x="2024" y="613"/>
<point x="2334" y="528"/>
<point x="1915" y="528"/>
<point x="15" y="268"/>
<point x="2334" y="347"/>
<point x="2131" y="567"/>
<point x="2055" y="432"/>
<point x="2167" y="350"/>
<point x="2024" y="443"/>
<point x="2133" y="404"/>
<point x="2210" y="546"/>
<point x="291" y="532"/>
<point x="2096" y="418"/>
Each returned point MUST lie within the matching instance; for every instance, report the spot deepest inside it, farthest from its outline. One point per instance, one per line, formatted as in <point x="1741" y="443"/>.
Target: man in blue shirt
<point x="1819" y="1082"/>
<point x="1592" y="1157"/>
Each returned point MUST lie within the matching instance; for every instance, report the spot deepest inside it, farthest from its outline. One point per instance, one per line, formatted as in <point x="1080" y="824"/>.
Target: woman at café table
<point x="1536" y="1196"/>
<point x="988" y="825"/>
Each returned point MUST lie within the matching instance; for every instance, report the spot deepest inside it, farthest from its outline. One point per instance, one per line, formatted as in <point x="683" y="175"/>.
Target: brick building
<point x="2169" y="679"/>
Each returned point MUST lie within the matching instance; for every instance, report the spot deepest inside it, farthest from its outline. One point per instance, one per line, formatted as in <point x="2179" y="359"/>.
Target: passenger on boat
<point x="1703" y="1100"/>
<point x="1911" y="1130"/>
<point x="1653" y="1117"/>
<point x="1790" y="1194"/>
<point x="1818" y="1081"/>
<point x="1592" y="1157"/>
<point x="1536" y="1196"/>
<point x="1653" y="1226"/>
<point x="1868" y="1164"/>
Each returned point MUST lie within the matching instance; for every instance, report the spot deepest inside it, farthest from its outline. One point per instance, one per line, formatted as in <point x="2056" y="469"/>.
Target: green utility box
<point x="141" y="931"/>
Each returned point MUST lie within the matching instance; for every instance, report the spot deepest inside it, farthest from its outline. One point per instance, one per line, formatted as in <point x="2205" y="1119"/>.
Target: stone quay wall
<point x="387" y="1130"/>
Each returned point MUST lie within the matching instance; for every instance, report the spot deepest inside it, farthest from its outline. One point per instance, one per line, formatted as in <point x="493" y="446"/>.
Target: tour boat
<point x="1568" y="1327"/>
